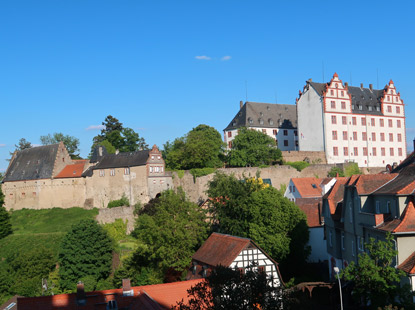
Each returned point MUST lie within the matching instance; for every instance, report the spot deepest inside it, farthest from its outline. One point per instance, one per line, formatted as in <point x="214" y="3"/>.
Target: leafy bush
<point x="180" y="173"/>
<point x="352" y="169"/>
<point x="119" y="203"/>
<point x="200" y="172"/>
<point x="334" y="171"/>
<point x="299" y="165"/>
<point x="116" y="230"/>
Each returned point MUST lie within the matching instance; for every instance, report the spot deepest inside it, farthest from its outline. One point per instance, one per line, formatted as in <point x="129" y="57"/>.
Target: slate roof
<point x="405" y="224"/>
<point x="73" y="171"/>
<point x="308" y="187"/>
<point x="402" y="184"/>
<point x="149" y="297"/>
<point x="408" y="265"/>
<point x="265" y="115"/>
<point x="121" y="160"/>
<point x="220" y="249"/>
<point x="410" y="160"/>
<point x="367" y="98"/>
<point x="32" y="164"/>
<point x="367" y="184"/>
<point x="311" y="208"/>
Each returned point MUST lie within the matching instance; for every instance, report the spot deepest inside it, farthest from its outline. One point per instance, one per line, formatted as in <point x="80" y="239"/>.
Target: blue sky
<point x="163" y="67"/>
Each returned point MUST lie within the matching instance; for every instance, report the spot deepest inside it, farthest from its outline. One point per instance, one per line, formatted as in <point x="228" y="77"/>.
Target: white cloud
<point x="203" y="57"/>
<point x="36" y="145"/>
<point x="95" y="127"/>
<point x="2" y="145"/>
<point x="225" y="58"/>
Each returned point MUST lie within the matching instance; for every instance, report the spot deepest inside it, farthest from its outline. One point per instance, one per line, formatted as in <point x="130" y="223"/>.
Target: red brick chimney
<point x="126" y="288"/>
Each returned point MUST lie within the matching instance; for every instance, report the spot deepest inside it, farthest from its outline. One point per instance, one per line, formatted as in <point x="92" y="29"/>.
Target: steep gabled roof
<point x="310" y="206"/>
<point x="405" y="224"/>
<point x="369" y="99"/>
<point x="122" y="160"/>
<point x="308" y="187"/>
<point x="336" y="193"/>
<point x="74" y="170"/>
<point x="265" y="115"/>
<point x="220" y="249"/>
<point x="367" y="184"/>
<point x="402" y="184"/>
<point x="32" y="164"/>
<point x="408" y="265"/>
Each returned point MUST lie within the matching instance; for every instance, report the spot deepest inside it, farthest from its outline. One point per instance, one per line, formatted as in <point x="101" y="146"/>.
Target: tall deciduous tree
<point x="229" y="289"/>
<point x="121" y="138"/>
<point x="253" y="148"/>
<point x="22" y="145"/>
<point x="170" y="232"/>
<point x="201" y="147"/>
<point x="71" y="143"/>
<point x="5" y="225"/>
<point x="375" y="280"/>
<point x="86" y="250"/>
<point x="248" y="208"/>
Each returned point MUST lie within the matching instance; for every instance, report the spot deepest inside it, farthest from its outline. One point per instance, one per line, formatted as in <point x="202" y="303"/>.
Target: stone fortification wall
<point x="106" y="216"/>
<point x="195" y="189"/>
<point x="311" y="157"/>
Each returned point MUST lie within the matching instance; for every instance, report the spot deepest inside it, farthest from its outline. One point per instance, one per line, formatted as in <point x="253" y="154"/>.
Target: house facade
<point x="278" y="121"/>
<point x="46" y="177"/>
<point x="352" y="124"/>
<point x="234" y="252"/>
<point x="372" y="206"/>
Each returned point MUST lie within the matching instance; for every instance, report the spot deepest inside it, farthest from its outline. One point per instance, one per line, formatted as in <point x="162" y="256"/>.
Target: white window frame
<point x="112" y="172"/>
<point x="127" y="171"/>
<point x="101" y="172"/>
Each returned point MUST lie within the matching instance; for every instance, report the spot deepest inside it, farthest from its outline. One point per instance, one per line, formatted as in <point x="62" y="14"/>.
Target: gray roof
<point x="120" y="160"/>
<point x="33" y="164"/>
<point x="364" y="100"/>
<point x="265" y="115"/>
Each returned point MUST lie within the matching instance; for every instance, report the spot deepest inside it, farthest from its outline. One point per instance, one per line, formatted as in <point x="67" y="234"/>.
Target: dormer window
<point x="250" y="120"/>
<point x="271" y="122"/>
<point x="261" y="121"/>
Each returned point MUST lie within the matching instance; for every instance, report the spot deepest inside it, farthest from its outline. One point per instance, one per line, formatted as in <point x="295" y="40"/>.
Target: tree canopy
<point x="22" y="145"/>
<point x="5" y="225"/>
<point x="86" y="250"/>
<point x="71" y="143"/>
<point x="253" y="148"/>
<point x="200" y="148"/>
<point x="115" y="135"/>
<point x="168" y="232"/>
<point x="375" y="280"/>
<point x="249" y="208"/>
<point x="229" y="289"/>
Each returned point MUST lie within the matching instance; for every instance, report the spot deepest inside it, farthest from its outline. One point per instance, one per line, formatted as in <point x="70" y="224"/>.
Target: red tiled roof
<point x="336" y="193"/>
<point x="307" y="187"/>
<point x="220" y="249"/>
<point x="407" y="219"/>
<point x="310" y="206"/>
<point x="149" y="297"/>
<point x="409" y="264"/>
<point x="366" y="184"/>
<point x="72" y="171"/>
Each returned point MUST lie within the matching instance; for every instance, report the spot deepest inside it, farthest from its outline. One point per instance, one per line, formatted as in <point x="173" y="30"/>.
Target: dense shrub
<point x="299" y="165"/>
<point x="119" y="203"/>
<point x="200" y="172"/>
<point x="334" y="171"/>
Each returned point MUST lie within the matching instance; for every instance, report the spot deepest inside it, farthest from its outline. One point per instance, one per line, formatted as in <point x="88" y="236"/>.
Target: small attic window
<point x="378" y="108"/>
<point x="352" y="106"/>
<point x="261" y="114"/>
<point x="268" y="108"/>
<point x="369" y="107"/>
<point x="313" y="185"/>
<point x="233" y="123"/>
<point x="271" y="122"/>
<point x="360" y="107"/>
<point x="261" y="121"/>
<point x="250" y="120"/>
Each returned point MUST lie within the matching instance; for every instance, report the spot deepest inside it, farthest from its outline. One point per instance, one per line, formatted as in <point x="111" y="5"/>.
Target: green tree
<point x="229" y="289"/>
<point x="202" y="147"/>
<point x="169" y="234"/>
<point x="375" y="280"/>
<point x="335" y="171"/>
<point x="5" y="224"/>
<point x="253" y="148"/>
<point x="249" y="208"/>
<point x="121" y="138"/>
<point x="71" y="143"/>
<point x="86" y="250"/>
<point x="352" y="169"/>
<point x="108" y="146"/>
<point x="22" y="145"/>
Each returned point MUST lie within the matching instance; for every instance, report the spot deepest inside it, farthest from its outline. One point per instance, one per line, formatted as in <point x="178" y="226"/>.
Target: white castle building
<point x="352" y="124"/>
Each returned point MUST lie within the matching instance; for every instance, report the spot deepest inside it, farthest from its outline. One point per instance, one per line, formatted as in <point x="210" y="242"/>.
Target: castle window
<point x="400" y="151"/>
<point x="334" y="135"/>
<point x="391" y="137"/>
<point x="344" y="135"/>
<point x="354" y="135"/>
<point x="364" y="136"/>
<point x="354" y="120"/>
<point x="274" y="132"/>
<point x="285" y="132"/>
<point x="399" y="137"/>
<point x="381" y="122"/>
<point x="335" y="151"/>
<point x="355" y="151"/>
<point x="333" y="104"/>
<point x="333" y="119"/>
<point x="364" y="151"/>
<point x="382" y="151"/>
<point x="229" y="134"/>
<point x="398" y="123"/>
<point x="372" y="121"/>
<point x="373" y="136"/>
<point x="101" y="172"/>
<point x="398" y="109"/>
<point x="151" y="169"/>
<point x="363" y="121"/>
<point x="156" y="169"/>
<point x="126" y="171"/>
<point x="112" y="172"/>
<point x="331" y="92"/>
<point x="391" y="151"/>
<point x="344" y="120"/>
<point x="342" y="92"/>
<point x="374" y="151"/>
<point x="382" y="136"/>
<point x="389" y="109"/>
<point x="346" y="151"/>
<point x="343" y="105"/>
<point x="389" y="122"/>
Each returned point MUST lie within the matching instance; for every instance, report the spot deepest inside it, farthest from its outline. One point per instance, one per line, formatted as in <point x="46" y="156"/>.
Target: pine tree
<point x="5" y="225"/>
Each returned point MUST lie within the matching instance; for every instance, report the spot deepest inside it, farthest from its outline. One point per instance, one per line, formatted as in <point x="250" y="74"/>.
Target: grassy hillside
<point x="34" y="228"/>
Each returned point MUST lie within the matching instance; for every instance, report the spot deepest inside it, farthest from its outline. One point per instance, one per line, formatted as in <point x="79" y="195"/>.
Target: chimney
<point x="80" y="294"/>
<point x="126" y="288"/>
<point x="371" y="86"/>
<point x="100" y="150"/>
<point x="241" y="103"/>
<point x="346" y="84"/>
<point x="361" y="85"/>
